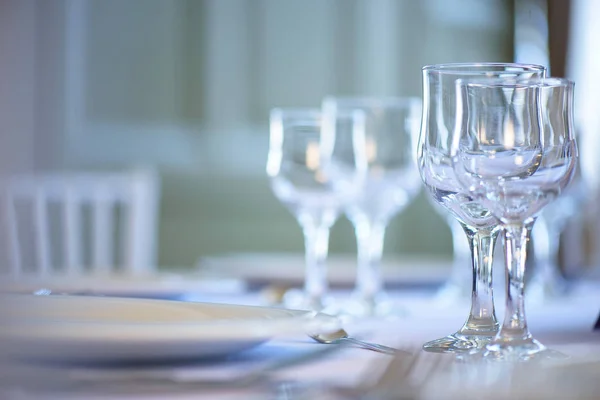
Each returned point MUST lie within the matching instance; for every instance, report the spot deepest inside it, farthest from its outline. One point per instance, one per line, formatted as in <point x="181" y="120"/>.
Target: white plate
<point x="93" y="329"/>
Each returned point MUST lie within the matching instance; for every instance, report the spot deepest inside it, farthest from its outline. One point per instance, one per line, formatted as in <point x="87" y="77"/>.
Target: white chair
<point x="79" y="223"/>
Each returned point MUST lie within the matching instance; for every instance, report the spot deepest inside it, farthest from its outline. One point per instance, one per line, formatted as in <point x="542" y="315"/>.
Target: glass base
<point x="458" y="343"/>
<point x="527" y="349"/>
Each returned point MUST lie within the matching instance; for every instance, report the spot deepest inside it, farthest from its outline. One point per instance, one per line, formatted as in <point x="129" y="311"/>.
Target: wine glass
<point x="435" y="165"/>
<point x="391" y="182"/>
<point x="299" y="179"/>
<point x="514" y="150"/>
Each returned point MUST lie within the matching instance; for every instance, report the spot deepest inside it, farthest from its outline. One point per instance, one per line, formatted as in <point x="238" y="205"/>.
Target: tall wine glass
<point x="514" y="150"/>
<point x="301" y="182"/>
<point x="435" y="165"/>
<point x="391" y="182"/>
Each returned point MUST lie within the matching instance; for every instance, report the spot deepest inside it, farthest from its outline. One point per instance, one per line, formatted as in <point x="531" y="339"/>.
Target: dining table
<point x="295" y="366"/>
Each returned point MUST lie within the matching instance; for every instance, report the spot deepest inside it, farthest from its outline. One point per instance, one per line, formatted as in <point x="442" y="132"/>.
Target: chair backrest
<point x="75" y="223"/>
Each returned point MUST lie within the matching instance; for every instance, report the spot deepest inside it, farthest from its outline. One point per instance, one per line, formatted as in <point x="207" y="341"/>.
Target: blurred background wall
<point x="185" y="86"/>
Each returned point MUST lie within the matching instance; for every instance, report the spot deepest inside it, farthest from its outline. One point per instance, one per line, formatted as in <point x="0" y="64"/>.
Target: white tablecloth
<point x="565" y="324"/>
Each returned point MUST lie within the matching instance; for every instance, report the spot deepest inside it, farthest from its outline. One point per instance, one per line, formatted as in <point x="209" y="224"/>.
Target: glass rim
<point x="549" y="82"/>
<point x="381" y="101"/>
<point x="460" y="68"/>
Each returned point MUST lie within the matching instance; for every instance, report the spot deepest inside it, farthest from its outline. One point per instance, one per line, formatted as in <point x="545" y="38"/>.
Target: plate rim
<point x="286" y="321"/>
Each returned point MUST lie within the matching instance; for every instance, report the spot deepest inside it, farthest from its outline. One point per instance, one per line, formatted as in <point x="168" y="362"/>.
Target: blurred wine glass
<point x="390" y="184"/>
<point x="301" y="181"/>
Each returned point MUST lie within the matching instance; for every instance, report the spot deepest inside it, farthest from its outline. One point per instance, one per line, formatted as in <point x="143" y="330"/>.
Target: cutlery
<point x="341" y="335"/>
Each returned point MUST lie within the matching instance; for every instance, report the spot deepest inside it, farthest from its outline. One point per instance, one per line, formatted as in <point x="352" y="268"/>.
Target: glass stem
<point x="515" y="325"/>
<point x="369" y="239"/>
<point x="316" y="241"/>
<point x="482" y="318"/>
